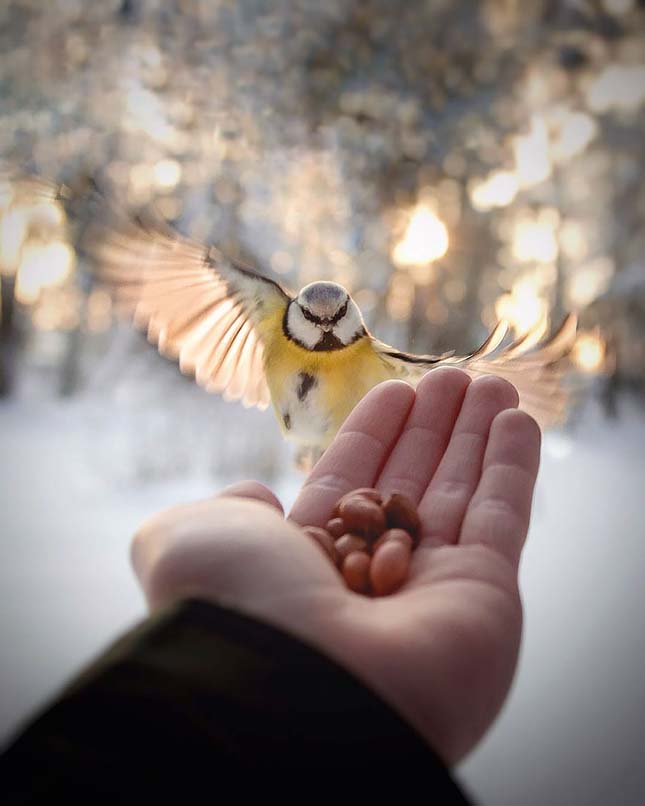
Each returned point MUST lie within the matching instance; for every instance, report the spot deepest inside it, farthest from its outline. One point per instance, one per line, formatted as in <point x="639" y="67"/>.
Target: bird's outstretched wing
<point x="198" y="306"/>
<point x="535" y="367"/>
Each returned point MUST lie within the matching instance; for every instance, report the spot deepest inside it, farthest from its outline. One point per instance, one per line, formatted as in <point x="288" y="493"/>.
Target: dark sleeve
<point x="199" y="698"/>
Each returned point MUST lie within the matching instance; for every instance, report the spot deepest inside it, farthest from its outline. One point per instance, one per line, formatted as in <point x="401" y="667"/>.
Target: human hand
<point x="443" y="649"/>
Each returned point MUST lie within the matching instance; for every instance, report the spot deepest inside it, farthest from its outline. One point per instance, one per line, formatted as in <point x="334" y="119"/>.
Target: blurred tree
<point x="7" y="335"/>
<point x="451" y="162"/>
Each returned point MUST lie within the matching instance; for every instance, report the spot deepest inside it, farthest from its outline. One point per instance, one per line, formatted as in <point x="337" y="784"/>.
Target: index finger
<point x="357" y="454"/>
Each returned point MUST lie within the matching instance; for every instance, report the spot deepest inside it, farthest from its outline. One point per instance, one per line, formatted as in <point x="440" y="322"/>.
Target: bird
<point x="242" y="334"/>
<point x="309" y="354"/>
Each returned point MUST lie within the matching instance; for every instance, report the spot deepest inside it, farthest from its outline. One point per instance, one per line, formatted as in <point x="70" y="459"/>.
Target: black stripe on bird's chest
<point x="306" y="383"/>
<point x="328" y="342"/>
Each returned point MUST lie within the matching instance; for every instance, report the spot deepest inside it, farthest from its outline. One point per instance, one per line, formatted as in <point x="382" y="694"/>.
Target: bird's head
<point x="324" y="317"/>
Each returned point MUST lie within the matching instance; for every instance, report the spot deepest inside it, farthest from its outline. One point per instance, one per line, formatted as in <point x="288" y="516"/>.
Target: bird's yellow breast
<point x="313" y="392"/>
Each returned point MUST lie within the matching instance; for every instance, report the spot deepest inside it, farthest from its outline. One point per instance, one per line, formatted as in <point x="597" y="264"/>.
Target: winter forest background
<point x="450" y="162"/>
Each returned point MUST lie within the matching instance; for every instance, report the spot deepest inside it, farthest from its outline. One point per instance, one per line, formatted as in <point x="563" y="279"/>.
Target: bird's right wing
<point x="197" y="305"/>
<point x="535" y="368"/>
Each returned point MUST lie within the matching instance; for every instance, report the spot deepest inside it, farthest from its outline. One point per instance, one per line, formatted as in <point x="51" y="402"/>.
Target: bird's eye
<point x="309" y="316"/>
<point x="340" y="312"/>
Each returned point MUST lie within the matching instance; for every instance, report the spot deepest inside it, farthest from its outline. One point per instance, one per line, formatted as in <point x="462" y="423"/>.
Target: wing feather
<point x="537" y="369"/>
<point x="226" y="377"/>
<point x="225" y="337"/>
<point x="257" y="393"/>
<point x="182" y="326"/>
<point x="223" y="374"/>
<point x="209" y="361"/>
<point x="196" y="305"/>
<point x="193" y="302"/>
<point x="237" y="386"/>
<point x="529" y="340"/>
<point x="489" y="346"/>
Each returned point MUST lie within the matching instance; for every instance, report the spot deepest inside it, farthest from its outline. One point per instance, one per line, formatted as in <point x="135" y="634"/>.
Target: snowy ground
<point x="76" y="479"/>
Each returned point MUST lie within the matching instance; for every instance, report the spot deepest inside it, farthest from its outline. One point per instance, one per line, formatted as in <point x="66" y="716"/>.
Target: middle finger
<point x="426" y="434"/>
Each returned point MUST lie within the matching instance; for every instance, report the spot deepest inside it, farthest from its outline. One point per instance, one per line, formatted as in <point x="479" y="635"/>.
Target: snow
<point x="78" y="476"/>
<point x="573" y="729"/>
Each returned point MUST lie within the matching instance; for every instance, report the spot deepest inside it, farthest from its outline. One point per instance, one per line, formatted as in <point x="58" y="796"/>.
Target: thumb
<point x="253" y="490"/>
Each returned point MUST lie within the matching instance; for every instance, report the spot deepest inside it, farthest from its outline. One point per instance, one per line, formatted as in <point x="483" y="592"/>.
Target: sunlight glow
<point x="523" y="308"/>
<point x="576" y="130"/>
<point x="573" y="240"/>
<point x="590" y="281"/>
<point x="43" y="266"/>
<point x="535" y="240"/>
<point x="589" y="352"/>
<point x="499" y="189"/>
<point x="167" y="173"/>
<point x="425" y="239"/>
<point x="145" y="112"/>
<point x="532" y="157"/>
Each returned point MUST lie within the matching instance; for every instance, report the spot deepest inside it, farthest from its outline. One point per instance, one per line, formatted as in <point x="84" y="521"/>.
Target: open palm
<point x="442" y="650"/>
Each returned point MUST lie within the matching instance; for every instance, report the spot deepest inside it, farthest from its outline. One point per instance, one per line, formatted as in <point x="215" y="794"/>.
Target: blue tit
<point x="309" y="355"/>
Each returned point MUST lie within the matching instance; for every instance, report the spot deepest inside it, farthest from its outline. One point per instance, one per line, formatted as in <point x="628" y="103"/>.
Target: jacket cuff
<point x="199" y="693"/>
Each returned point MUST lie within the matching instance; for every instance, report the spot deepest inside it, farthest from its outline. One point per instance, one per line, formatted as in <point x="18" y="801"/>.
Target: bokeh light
<point x="533" y="161"/>
<point x="425" y="239"/>
<point x="474" y="181"/>
<point x="523" y="308"/>
<point x="499" y="189"/>
<point x="535" y="239"/>
<point x="589" y="352"/>
<point x="42" y="266"/>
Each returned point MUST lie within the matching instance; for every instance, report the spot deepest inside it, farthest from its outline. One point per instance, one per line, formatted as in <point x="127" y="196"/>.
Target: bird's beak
<point x="327" y="325"/>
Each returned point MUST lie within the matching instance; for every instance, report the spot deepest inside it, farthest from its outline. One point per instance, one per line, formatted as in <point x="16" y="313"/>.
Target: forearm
<point x="199" y="696"/>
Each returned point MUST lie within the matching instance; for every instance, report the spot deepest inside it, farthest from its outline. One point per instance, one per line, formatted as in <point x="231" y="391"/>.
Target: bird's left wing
<point x="197" y="305"/>
<point x="534" y="367"/>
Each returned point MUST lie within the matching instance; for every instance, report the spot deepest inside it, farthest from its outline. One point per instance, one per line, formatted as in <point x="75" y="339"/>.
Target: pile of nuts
<point x="370" y="539"/>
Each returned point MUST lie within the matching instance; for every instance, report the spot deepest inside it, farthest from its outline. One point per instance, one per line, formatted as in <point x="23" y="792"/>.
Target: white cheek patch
<point x="301" y="329"/>
<point x="349" y="325"/>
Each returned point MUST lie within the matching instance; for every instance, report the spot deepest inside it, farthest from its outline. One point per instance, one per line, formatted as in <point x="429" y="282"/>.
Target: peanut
<point x="336" y="528"/>
<point x="362" y="492"/>
<point x="362" y="517"/>
<point x="401" y="513"/>
<point x="394" y="534"/>
<point x="389" y="567"/>
<point x="356" y="571"/>
<point x="348" y="544"/>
